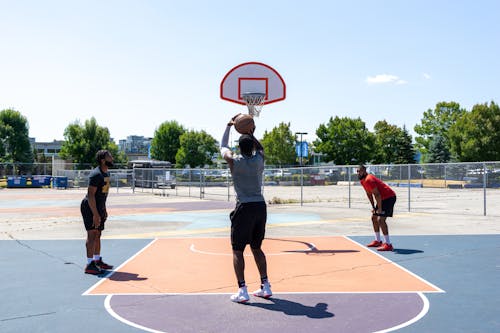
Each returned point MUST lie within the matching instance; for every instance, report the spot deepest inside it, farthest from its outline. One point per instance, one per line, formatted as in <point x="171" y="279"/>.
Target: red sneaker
<point x="385" y="247"/>
<point x="92" y="268"/>
<point x="102" y="265"/>
<point x="375" y="243"/>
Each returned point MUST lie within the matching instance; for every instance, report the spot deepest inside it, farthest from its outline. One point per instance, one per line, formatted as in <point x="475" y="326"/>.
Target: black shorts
<point x="88" y="217"/>
<point x="248" y="225"/>
<point x="387" y="207"/>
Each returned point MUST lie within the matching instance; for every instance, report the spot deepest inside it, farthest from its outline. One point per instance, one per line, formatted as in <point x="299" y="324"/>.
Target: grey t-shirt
<point x="247" y="177"/>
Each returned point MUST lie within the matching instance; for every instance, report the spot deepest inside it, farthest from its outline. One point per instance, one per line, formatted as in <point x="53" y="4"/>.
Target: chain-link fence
<point x="468" y="188"/>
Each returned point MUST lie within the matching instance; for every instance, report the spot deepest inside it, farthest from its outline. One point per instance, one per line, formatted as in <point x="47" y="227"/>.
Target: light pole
<point x="301" y="170"/>
<point x="300" y="149"/>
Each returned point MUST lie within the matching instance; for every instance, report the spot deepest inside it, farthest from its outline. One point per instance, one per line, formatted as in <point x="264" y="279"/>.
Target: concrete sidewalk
<point x="55" y="214"/>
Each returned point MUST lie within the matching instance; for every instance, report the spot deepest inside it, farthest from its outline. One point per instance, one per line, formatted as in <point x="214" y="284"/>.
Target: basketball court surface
<point x="173" y="269"/>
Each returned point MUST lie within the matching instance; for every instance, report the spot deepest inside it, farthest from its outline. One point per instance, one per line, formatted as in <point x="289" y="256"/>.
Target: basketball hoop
<point x="255" y="102"/>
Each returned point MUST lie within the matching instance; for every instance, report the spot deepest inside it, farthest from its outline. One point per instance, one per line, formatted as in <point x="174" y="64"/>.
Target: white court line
<point x="439" y="290"/>
<point x="274" y="293"/>
<point x="107" y="301"/>
<point x="107" y="305"/>
<point x="104" y="278"/>
<point x="422" y="313"/>
<point x="311" y="248"/>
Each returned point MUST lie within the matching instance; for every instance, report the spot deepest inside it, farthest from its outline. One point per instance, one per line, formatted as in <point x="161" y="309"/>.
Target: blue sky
<point x="135" y="64"/>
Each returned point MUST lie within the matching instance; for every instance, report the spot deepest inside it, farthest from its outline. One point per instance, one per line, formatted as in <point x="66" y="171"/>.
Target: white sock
<point x="97" y="257"/>
<point x="387" y="240"/>
<point x="89" y="260"/>
<point x="377" y="236"/>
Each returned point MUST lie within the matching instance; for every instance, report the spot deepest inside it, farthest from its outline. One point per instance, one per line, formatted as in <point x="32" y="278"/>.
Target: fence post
<point x="445" y="176"/>
<point x="133" y="179"/>
<point x="484" y="189"/>
<point x="409" y="183"/>
<point x="349" y="174"/>
<point x="201" y="184"/>
<point x="301" y="186"/>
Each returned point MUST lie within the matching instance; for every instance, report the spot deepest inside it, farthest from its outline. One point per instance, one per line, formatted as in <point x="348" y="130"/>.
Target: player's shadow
<point x="319" y="311"/>
<point x="320" y="252"/>
<point x="124" y="276"/>
<point x="311" y="248"/>
<point x="407" y="251"/>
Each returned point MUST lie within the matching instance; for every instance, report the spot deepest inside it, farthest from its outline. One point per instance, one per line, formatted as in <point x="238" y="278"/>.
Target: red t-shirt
<point x="370" y="182"/>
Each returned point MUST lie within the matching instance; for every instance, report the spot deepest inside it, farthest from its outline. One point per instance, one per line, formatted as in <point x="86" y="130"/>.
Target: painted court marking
<point x="329" y="265"/>
<point x="310" y="248"/>
<point x="300" y="266"/>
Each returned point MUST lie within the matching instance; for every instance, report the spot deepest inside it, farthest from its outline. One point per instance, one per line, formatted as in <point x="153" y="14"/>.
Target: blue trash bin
<point x="40" y="181"/>
<point x="60" y="182"/>
<point x="16" y="181"/>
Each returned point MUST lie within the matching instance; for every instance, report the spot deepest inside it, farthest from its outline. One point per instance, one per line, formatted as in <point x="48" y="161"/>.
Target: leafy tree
<point x="83" y="141"/>
<point x="393" y="145"/>
<point x="14" y="137"/>
<point x="476" y="135"/>
<point x="166" y="141"/>
<point x="345" y="141"/>
<point x="196" y="149"/>
<point x="438" y="150"/>
<point x="279" y="146"/>
<point x="436" y="122"/>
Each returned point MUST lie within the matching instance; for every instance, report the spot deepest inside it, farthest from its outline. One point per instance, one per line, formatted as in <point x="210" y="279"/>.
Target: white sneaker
<point x="241" y="296"/>
<point x="264" y="291"/>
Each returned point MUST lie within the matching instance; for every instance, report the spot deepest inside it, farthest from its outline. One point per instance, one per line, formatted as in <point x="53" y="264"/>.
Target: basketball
<point x="244" y="124"/>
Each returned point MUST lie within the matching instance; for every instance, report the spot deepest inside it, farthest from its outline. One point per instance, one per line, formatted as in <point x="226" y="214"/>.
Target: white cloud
<point x="384" y="78"/>
<point x="426" y="76"/>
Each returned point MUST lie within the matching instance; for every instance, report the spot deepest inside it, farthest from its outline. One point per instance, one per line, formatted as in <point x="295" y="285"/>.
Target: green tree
<point x="14" y="137"/>
<point x="83" y="141"/>
<point x="279" y="146"/>
<point x="345" y="141"/>
<point x="406" y="150"/>
<point x="438" y="150"/>
<point x="476" y="135"/>
<point x="436" y="122"/>
<point x="197" y="149"/>
<point x="166" y="141"/>
<point x="393" y="145"/>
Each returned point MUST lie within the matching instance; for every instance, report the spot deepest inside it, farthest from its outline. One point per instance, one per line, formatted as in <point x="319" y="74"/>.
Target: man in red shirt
<point x="382" y="198"/>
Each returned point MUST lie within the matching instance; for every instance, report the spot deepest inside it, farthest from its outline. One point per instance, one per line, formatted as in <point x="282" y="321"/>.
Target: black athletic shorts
<point x="387" y="207"/>
<point x="248" y="225"/>
<point x="88" y="217"/>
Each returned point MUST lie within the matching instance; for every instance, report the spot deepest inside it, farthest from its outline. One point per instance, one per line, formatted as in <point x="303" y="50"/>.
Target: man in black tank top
<point x="248" y="219"/>
<point x="94" y="213"/>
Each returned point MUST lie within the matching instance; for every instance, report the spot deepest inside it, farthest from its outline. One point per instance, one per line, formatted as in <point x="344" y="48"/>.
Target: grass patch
<point x="279" y="201"/>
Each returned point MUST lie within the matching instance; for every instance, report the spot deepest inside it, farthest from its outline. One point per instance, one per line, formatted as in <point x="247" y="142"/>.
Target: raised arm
<point x="225" y="151"/>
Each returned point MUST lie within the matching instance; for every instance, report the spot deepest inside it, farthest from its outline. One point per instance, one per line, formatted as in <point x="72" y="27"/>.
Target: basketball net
<point x="255" y="102"/>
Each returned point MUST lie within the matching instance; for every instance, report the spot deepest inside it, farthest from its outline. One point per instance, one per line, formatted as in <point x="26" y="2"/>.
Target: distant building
<point x="47" y="148"/>
<point x="135" y="146"/>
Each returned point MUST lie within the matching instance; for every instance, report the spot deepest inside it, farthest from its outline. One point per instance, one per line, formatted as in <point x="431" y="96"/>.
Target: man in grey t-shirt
<point x="248" y="219"/>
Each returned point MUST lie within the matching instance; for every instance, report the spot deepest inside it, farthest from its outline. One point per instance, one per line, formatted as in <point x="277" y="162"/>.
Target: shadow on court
<point x="310" y="248"/>
<point x="290" y="308"/>
<point x="124" y="276"/>
<point x="320" y="252"/>
<point x="407" y="251"/>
